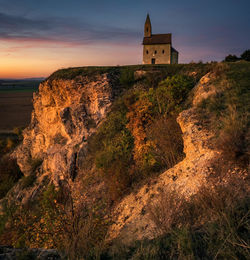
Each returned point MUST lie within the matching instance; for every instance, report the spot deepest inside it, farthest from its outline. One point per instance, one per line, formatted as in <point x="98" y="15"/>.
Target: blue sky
<point x="37" y="37"/>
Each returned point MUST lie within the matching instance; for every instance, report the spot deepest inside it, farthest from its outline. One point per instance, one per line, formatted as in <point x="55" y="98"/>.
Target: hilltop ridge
<point x="106" y="145"/>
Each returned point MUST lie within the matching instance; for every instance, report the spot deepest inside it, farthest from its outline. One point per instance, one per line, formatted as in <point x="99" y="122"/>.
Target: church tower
<point x="157" y="48"/>
<point x="147" y="27"/>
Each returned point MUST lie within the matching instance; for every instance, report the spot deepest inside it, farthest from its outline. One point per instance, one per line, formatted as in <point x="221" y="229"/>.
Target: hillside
<point x="135" y="162"/>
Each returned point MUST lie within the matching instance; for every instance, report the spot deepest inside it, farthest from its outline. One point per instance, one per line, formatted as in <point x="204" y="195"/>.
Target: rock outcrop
<point x="131" y="216"/>
<point x="66" y="113"/>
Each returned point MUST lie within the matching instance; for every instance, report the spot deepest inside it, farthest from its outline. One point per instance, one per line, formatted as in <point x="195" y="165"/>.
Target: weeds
<point x="166" y="135"/>
<point x="228" y="112"/>
<point x="212" y="224"/>
<point x="127" y="78"/>
<point x="233" y="139"/>
<point x="56" y="221"/>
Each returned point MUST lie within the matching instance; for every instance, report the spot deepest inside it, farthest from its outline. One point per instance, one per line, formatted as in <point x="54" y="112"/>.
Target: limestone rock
<point x="204" y="88"/>
<point x="66" y="113"/>
<point x="131" y="215"/>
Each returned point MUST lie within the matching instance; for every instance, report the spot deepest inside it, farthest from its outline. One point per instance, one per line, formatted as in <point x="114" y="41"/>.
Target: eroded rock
<point x="66" y="113"/>
<point x="131" y="216"/>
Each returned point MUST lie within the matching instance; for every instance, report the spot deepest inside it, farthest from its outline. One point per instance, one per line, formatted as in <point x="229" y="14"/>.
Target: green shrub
<point x="172" y="92"/>
<point x="246" y="55"/>
<point x="231" y="58"/>
<point x="127" y="77"/>
<point x="124" y="150"/>
<point x="115" y="154"/>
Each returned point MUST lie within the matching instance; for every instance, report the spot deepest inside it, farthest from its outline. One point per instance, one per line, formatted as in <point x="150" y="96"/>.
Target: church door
<point x="153" y="61"/>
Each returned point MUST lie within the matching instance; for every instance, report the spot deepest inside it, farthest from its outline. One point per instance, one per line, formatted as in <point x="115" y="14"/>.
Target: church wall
<point x="160" y="58"/>
<point x="174" y="57"/>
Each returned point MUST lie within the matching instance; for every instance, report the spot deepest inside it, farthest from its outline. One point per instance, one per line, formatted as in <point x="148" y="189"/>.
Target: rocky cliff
<point x="68" y="111"/>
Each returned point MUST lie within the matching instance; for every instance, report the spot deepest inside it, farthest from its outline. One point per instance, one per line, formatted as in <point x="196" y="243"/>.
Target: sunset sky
<point x="38" y="37"/>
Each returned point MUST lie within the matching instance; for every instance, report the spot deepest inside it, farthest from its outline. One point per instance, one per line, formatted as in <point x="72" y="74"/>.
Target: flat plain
<point x="16" y="104"/>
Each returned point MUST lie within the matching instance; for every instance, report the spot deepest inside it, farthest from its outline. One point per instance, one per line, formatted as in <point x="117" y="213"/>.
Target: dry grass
<point x="167" y="136"/>
<point x="234" y="138"/>
<point x="221" y="194"/>
<point x="212" y="224"/>
<point x="169" y="211"/>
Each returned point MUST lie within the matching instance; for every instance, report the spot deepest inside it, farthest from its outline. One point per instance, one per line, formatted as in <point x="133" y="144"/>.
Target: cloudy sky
<point x="40" y="36"/>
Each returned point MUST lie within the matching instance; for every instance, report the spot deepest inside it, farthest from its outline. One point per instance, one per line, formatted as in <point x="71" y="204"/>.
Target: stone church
<point x="157" y="48"/>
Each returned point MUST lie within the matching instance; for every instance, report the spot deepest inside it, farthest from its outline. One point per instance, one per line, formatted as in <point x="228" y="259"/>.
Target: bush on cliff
<point x="128" y="147"/>
<point x="127" y="78"/>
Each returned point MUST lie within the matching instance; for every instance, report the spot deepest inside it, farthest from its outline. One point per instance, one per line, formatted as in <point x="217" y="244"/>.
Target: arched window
<point x="147" y="51"/>
<point x="155" y="52"/>
<point x="163" y="51"/>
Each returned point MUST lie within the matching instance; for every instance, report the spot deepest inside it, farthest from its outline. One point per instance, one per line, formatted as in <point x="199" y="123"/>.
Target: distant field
<point x="16" y="103"/>
<point x="19" y="85"/>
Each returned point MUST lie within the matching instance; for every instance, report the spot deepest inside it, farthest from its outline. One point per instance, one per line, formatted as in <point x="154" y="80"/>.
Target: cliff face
<point x="65" y="113"/>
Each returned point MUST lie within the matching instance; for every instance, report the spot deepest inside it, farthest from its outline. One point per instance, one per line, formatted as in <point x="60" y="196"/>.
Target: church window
<point x="155" y="52"/>
<point x="147" y="51"/>
<point x="163" y="51"/>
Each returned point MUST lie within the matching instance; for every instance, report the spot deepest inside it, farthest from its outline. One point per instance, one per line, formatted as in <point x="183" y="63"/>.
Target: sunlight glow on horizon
<point x="40" y="37"/>
<point x="27" y="62"/>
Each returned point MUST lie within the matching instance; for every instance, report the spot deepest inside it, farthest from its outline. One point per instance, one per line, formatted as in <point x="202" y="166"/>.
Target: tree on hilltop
<point x="231" y="58"/>
<point x="245" y="55"/>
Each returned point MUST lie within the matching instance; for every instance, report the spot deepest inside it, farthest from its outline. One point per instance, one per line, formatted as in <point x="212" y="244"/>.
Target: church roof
<point x="158" y="39"/>
<point x="174" y="50"/>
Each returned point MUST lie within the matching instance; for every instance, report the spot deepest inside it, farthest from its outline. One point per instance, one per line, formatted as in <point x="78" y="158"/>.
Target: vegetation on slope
<point x="128" y="146"/>
<point x="213" y="224"/>
<point x="227" y="112"/>
<point x="139" y="139"/>
<point x="159" y="71"/>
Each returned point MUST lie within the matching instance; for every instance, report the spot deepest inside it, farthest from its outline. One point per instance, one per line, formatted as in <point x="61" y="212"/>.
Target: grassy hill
<point x="136" y="143"/>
